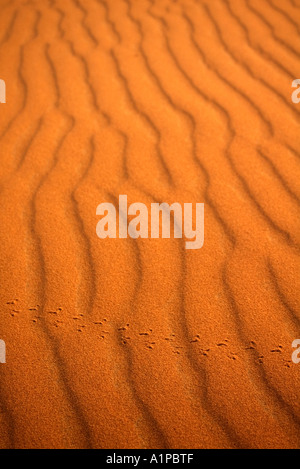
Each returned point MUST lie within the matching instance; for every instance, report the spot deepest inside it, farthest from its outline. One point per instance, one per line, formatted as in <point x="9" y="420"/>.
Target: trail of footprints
<point x="148" y="338"/>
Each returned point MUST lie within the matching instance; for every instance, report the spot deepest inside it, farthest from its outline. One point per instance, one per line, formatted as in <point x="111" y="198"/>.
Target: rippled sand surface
<point x="142" y="343"/>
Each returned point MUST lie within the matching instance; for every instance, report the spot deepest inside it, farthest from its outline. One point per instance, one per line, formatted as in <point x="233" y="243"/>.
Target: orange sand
<point x="143" y="344"/>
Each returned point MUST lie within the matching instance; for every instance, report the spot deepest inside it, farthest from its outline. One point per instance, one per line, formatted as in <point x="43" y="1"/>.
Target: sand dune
<point x="141" y="343"/>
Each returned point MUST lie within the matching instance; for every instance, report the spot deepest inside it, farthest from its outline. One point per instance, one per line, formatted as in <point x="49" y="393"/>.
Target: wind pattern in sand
<point x="140" y="343"/>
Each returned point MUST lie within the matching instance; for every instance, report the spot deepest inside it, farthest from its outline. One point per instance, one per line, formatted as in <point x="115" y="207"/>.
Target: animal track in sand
<point x="147" y="338"/>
